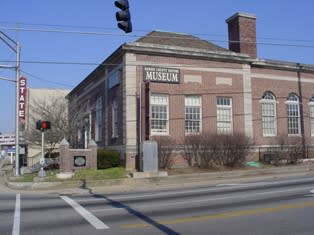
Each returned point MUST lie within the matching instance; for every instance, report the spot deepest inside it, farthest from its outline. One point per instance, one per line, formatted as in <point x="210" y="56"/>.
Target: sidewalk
<point x="155" y="183"/>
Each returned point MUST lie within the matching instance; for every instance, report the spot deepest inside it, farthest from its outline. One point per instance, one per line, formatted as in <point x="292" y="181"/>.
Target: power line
<point x="152" y="36"/>
<point x="7" y="79"/>
<point x="57" y="25"/>
<point x="60" y="63"/>
<point x="63" y="31"/>
<point x="140" y="30"/>
<point x="46" y="80"/>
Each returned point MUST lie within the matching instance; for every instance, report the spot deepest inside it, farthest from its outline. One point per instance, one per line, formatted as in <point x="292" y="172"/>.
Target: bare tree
<point x="55" y="110"/>
<point x="192" y="145"/>
<point x="212" y="150"/>
<point x="166" y="147"/>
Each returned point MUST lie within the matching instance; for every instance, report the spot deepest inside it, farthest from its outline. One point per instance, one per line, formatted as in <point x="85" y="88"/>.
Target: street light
<point x="15" y="47"/>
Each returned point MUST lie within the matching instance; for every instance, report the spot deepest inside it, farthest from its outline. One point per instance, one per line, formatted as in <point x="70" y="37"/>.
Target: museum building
<point x="171" y="84"/>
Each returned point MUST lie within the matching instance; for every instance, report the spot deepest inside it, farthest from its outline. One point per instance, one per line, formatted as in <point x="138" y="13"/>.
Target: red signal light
<point x="45" y="125"/>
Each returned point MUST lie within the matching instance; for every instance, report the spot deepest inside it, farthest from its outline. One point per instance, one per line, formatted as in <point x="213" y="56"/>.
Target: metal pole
<point x="299" y="67"/>
<point x="8" y="41"/>
<point x="17" y="123"/>
<point x="42" y="158"/>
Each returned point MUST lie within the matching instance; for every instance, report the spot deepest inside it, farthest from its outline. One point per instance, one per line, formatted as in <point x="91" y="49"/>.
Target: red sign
<point x="22" y="97"/>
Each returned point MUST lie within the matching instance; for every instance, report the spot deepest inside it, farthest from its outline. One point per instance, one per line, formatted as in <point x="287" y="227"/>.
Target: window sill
<point x="160" y="134"/>
<point x="294" y="135"/>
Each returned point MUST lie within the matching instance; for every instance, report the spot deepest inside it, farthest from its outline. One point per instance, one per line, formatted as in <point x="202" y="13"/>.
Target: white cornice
<point x="190" y="52"/>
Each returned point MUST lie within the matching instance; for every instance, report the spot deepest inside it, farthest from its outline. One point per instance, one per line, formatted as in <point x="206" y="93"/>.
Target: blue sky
<point x="87" y="34"/>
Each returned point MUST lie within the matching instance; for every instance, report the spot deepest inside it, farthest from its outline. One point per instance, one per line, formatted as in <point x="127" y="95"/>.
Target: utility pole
<point x="299" y="68"/>
<point x="17" y="118"/>
<point x="15" y="47"/>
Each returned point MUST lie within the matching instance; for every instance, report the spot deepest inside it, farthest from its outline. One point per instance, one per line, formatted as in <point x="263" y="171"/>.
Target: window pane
<point x="268" y="118"/>
<point x="312" y="118"/>
<point x="159" y="114"/>
<point x="224" y="115"/>
<point x="98" y="121"/>
<point x="293" y="116"/>
<point x="115" y="123"/>
<point x="192" y="114"/>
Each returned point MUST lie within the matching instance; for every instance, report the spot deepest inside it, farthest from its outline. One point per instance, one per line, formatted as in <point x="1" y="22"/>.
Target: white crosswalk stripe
<point x="92" y="219"/>
<point x="17" y="216"/>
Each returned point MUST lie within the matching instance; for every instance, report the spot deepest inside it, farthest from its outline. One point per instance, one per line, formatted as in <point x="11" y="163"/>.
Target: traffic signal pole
<point x="42" y="126"/>
<point x="42" y="172"/>
<point x="15" y="47"/>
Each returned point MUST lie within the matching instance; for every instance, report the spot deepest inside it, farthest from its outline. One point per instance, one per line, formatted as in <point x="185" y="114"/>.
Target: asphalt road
<point x="269" y="207"/>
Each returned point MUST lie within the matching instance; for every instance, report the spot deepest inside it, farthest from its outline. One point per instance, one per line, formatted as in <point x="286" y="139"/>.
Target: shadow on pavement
<point x="138" y="214"/>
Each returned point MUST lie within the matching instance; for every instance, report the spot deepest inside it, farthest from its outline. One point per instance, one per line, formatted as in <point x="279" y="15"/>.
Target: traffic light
<point x="43" y="125"/>
<point x="124" y="16"/>
<point x="38" y="125"/>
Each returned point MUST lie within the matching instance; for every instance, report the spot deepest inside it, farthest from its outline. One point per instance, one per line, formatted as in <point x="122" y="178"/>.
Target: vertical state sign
<point x="22" y="97"/>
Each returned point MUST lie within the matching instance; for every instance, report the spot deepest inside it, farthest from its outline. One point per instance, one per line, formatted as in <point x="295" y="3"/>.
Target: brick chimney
<point x="242" y="33"/>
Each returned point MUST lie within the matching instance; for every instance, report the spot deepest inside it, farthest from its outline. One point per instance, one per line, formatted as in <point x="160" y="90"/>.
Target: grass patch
<point x="87" y="174"/>
<point x="92" y="174"/>
<point x="24" y="178"/>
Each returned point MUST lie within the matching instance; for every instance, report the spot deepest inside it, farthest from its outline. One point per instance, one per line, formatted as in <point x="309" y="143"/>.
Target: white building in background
<point x="7" y="140"/>
<point x="35" y="96"/>
<point x="30" y="150"/>
<point x="7" y="146"/>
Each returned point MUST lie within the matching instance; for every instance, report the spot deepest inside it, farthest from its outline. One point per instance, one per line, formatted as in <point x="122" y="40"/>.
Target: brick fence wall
<point x="71" y="159"/>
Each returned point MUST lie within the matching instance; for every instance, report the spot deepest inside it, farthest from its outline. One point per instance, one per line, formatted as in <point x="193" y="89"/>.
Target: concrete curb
<point x="173" y="180"/>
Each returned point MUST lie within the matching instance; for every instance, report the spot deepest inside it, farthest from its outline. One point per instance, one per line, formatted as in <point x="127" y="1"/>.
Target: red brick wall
<point x="208" y="90"/>
<point x="281" y="89"/>
<point x="242" y="31"/>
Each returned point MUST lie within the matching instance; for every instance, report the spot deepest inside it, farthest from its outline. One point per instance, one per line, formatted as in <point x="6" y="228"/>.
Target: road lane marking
<point x="211" y="189"/>
<point x="93" y="220"/>
<point x="90" y="199"/>
<point x="17" y="215"/>
<point x="205" y="200"/>
<point x="225" y="215"/>
<point x="224" y="185"/>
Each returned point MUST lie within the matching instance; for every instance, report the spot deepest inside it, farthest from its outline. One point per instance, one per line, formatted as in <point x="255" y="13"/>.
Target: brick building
<point x="170" y="84"/>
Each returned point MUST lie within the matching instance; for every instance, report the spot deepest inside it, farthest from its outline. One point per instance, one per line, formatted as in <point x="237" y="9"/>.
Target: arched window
<point x="293" y="112"/>
<point x="269" y="120"/>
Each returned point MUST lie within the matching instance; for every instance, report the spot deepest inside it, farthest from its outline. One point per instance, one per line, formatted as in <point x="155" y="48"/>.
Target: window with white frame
<point x="293" y="112"/>
<point x="224" y="115"/>
<point x="311" y="108"/>
<point x="115" y="121"/>
<point x="269" y="123"/>
<point x="159" y="110"/>
<point x="98" y="121"/>
<point x="193" y="114"/>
